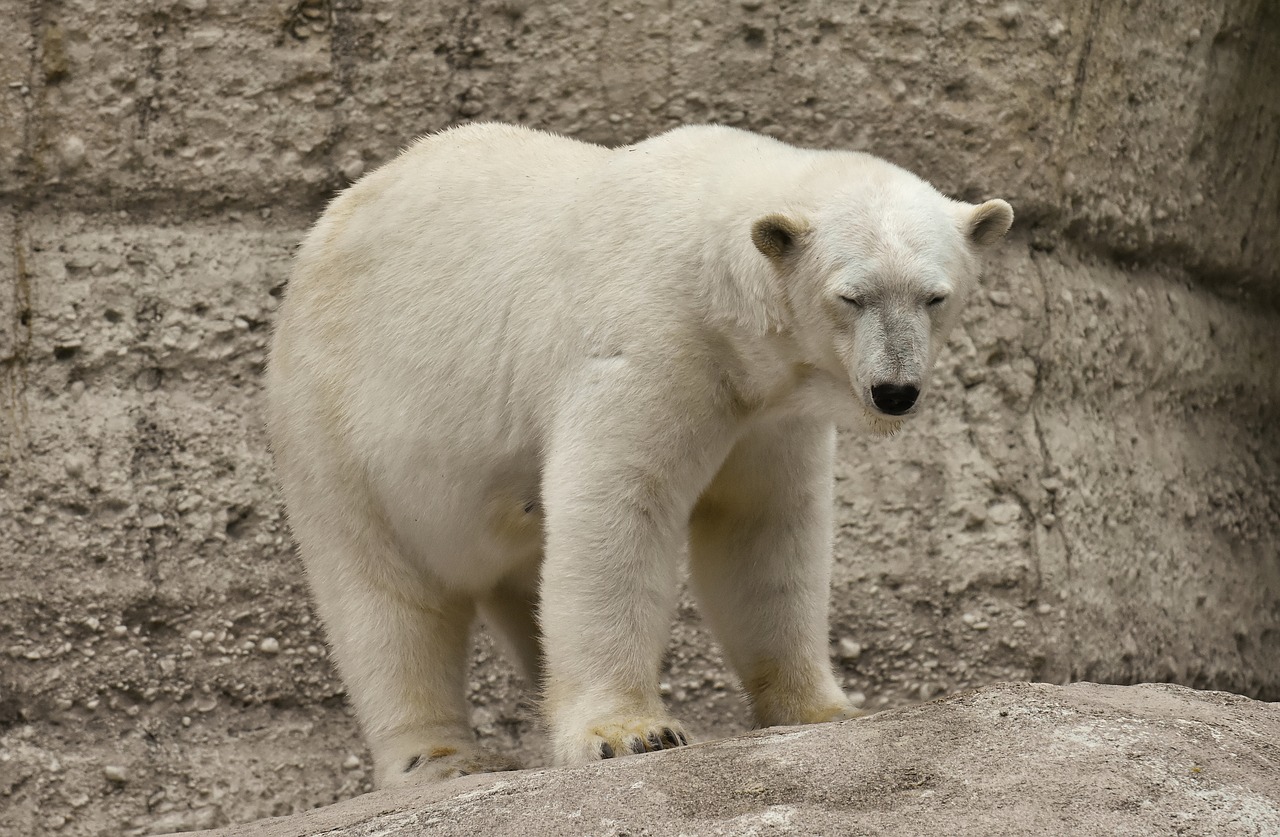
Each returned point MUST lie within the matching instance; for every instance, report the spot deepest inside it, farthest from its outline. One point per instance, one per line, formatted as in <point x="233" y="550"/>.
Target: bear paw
<point x="612" y="739"/>
<point x="777" y="713"/>
<point x="439" y="764"/>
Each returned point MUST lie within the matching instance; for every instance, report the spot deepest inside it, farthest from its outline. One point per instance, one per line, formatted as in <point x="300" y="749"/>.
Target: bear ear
<point x="776" y="235"/>
<point x="988" y="222"/>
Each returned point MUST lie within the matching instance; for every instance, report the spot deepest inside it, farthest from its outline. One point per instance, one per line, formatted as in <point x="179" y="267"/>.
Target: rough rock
<point x="1091" y="493"/>
<point x="1012" y="759"/>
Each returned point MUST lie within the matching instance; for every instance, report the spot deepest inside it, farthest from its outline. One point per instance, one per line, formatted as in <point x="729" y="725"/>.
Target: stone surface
<point x="1091" y="494"/>
<point x="1003" y="760"/>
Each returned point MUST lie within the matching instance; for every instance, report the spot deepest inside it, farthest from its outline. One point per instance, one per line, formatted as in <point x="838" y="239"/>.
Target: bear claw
<point x="640" y="735"/>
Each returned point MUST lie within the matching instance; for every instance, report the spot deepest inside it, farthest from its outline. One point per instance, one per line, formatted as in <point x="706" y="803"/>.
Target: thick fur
<point x="518" y="373"/>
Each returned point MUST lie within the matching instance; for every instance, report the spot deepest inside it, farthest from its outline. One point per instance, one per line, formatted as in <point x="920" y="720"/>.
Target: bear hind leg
<point x="760" y="561"/>
<point x="401" y="643"/>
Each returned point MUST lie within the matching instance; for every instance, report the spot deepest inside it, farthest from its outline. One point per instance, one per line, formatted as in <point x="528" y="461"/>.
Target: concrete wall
<point x="1092" y="495"/>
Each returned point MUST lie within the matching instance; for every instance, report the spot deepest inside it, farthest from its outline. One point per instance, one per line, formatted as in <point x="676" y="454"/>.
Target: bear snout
<point x="894" y="399"/>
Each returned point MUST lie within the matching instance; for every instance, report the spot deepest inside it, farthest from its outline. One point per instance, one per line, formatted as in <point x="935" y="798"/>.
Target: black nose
<point x="894" y="399"/>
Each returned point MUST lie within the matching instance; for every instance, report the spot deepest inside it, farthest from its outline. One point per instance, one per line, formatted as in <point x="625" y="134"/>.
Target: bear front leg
<point x="760" y="559"/>
<point x="617" y="495"/>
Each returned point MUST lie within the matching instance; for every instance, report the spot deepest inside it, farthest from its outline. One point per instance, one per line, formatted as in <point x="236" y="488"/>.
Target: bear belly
<point x="471" y="528"/>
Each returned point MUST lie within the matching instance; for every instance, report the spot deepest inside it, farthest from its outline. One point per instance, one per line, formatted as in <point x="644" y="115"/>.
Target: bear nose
<point x="893" y="398"/>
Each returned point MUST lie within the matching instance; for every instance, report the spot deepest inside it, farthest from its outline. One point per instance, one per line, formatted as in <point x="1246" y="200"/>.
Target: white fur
<point x="506" y="345"/>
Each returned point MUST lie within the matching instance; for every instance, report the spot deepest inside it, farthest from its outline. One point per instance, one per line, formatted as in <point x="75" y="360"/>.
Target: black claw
<point x="635" y="745"/>
<point x="670" y="738"/>
<point x="654" y="742"/>
<point x="413" y="762"/>
<point x="462" y="773"/>
<point x="606" y="751"/>
<point x="684" y="742"/>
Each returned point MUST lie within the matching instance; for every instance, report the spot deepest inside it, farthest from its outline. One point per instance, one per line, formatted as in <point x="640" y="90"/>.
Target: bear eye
<point x="937" y="300"/>
<point x="854" y="301"/>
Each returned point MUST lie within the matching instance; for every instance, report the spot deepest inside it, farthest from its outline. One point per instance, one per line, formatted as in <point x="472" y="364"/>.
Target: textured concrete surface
<point x="1093" y="494"/>
<point x="1005" y="760"/>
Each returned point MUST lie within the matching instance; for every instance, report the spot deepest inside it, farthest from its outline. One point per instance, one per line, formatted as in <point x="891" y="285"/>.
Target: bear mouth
<point x="882" y="424"/>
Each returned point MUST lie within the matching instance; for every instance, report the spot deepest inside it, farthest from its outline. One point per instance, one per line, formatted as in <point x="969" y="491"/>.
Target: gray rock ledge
<point x="1015" y="759"/>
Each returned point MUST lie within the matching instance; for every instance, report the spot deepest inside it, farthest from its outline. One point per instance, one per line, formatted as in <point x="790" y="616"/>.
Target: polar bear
<point x="519" y="374"/>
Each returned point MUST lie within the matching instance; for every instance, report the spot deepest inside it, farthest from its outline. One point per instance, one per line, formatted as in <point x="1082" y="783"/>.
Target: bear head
<point x="874" y="277"/>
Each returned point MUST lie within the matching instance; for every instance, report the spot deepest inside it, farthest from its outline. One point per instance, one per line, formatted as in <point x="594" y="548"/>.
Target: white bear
<point x="518" y="373"/>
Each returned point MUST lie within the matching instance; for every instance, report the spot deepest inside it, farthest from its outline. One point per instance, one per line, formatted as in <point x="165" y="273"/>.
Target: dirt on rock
<point x="1092" y="493"/>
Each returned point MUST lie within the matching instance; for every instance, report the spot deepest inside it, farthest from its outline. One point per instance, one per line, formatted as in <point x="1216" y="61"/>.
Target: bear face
<point x="877" y="281"/>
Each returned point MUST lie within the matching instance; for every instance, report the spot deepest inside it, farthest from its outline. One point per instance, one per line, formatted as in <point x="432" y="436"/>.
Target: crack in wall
<point x="1265" y="190"/>
<point x="15" y="364"/>
<point x="1008" y="486"/>
<point x="341" y="67"/>
<point x="16" y="375"/>
<point x="671" y="53"/>
<point x="1047" y="466"/>
<point x="464" y="31"/>
<point x="31" y="170"/>
<point x="1082" y="66"/>
<point x="148" y="105"/>
<point x="775" y="54"/>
